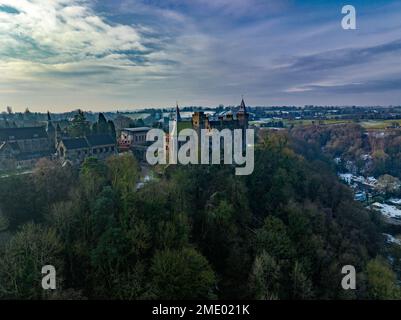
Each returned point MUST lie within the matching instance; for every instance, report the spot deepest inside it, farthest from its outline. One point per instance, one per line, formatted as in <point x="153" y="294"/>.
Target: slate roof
<point x="75" y="143"/>
<point x="140" y="129"/>
<point x="32" y="155"/>
<point x="26" y="133"/>
<point x="100" y="140"/>
<point x="89" y="141"/>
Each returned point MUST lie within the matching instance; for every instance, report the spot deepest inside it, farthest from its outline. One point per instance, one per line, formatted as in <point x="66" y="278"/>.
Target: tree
<point x="101" y="126"/>
<point x="93" y="177"/>
<point x="265" y="278"/>
<point x="23" y="258"/>
<point x="124" y="172"/>
<point x="301" y="285"/>
<point x="112" y="129"/>
<point x="181" y="274"/>
<point x="52" y="181"/>
<point x="388" y="183"/>
<point x="19" y="200"/>
<point x="382" y="282"/>
<point x="273" y="238"/>
<point x="79" y="126"/>
<point x="4" y="222"/>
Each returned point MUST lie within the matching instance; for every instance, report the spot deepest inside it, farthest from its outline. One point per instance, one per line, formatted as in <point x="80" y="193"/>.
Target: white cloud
<point x="47" y="34"/>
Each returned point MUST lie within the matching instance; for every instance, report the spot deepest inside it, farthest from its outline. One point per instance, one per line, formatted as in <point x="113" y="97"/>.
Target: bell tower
<point x="243" y="115"/>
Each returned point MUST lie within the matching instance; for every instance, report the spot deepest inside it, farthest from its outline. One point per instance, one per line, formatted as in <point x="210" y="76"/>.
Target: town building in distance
<point x="76" y="150"/>
<point x="21" y="148"/>
<point x="134" y="140"/>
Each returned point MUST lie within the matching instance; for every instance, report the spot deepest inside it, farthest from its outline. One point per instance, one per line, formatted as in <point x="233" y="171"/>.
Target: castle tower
<point x="243" y="115"/>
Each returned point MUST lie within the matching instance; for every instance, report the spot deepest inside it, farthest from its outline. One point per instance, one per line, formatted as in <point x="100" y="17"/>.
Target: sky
<point x="103" y="55"/>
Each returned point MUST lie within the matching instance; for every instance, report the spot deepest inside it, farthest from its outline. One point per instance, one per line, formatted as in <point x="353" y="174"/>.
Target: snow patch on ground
<point x="387" y="210"/>
<point x="391" y="239"/>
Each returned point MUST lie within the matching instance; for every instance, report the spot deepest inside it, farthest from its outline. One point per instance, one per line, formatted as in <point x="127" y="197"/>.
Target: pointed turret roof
<point x="242" y="107"/>
<point x="49" y="126"/>
<point x="177" y="113"/>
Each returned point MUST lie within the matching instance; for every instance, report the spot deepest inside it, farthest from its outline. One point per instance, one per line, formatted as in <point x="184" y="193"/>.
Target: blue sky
<point x="124" y="54"/>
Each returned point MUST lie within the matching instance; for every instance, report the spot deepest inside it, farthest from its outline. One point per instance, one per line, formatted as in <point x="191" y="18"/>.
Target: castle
<point x="202" y="121"/>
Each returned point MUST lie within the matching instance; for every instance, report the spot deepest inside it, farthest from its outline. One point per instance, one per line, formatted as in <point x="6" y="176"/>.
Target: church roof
<point x="87" y="142"/>
<point x="75" y="143"/>
<point x="25" y="133"/>
<point x="139" y="129"/>
<point x="32" y="155"/>
<point x="100" y="140"/>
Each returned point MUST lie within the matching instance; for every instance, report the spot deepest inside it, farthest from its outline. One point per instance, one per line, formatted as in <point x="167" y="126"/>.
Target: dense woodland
<point x="195" y="232"/>
<point x="352" y="142"/>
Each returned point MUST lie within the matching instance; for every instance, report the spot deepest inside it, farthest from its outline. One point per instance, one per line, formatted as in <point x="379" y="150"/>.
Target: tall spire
<point x="49" y="126"/>
<point x="242" y="108"/>
<point x="177" y="113"/>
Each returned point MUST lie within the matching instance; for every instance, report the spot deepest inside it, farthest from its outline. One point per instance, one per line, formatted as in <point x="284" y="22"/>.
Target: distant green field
<point x="378" y="124"/>
<point x="310" y="122"/>
<point x="370" y="124"/>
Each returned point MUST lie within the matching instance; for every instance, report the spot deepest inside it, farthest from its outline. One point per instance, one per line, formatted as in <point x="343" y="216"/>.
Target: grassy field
<point x="309" y="122"/>
<point x="379" y="124"/>
<point x="369" y="124"/>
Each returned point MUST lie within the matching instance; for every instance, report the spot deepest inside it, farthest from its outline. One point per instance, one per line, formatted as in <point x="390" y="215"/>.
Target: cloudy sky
<point x="124" y="54"/>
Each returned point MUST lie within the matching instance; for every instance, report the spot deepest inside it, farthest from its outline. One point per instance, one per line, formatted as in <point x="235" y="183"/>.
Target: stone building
<point x="131" y="137"/>
<point x="21" y="148"/>
<point x="134" y="140"/>
<point x="202" y="121"/>
<point x="76" y="150"/>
